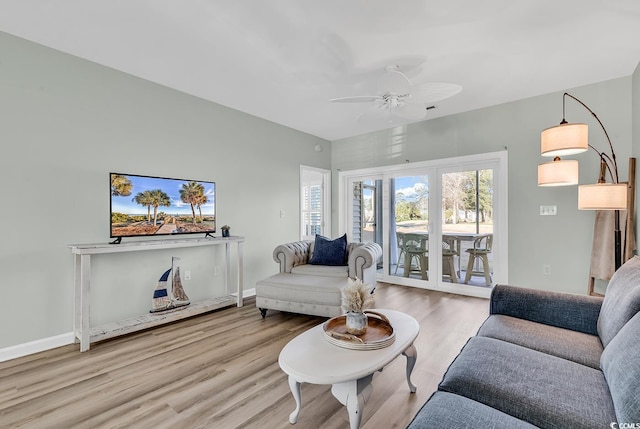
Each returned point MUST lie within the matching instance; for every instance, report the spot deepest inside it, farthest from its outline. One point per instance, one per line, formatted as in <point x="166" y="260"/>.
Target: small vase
<point x="356" y="323"/>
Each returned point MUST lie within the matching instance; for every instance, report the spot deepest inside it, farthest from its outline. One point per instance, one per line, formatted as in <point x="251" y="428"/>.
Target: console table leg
<point x="411" y="354"/>
<point x="240" y="274"/>
<point x="84" y="286"/>
<point x="294" y="385"/>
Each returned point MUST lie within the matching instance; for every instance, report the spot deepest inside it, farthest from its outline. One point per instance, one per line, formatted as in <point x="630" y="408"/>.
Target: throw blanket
<point x="603" y="250"/>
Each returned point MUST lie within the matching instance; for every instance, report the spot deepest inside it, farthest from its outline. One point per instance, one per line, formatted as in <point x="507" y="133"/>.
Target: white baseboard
<point x="37" y="346"/>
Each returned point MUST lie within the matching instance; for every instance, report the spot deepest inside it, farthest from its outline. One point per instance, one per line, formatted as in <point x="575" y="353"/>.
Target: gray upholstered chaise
<point x="549" y="360"/>
<point x="304" y="288"/>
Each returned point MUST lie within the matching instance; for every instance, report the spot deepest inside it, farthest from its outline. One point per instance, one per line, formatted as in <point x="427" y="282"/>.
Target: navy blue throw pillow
<point x="329" y="252"/>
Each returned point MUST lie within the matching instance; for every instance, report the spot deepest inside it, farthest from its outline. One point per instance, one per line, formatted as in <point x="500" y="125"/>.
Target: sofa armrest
<point x="361" y="259"/>
<point x="563" y="310"/>
<point x="289" y="255"/>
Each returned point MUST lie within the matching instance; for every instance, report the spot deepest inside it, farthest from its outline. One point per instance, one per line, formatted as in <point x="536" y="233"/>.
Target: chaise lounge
<point x="549" y="360"/>
<point x="307" y="285"/>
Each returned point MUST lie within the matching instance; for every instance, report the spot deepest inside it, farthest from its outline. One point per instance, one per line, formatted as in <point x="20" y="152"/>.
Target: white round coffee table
<point x="310" y="358"/>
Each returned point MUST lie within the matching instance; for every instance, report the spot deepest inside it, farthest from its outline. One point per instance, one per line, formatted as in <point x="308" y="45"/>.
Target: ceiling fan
<point x="399" y="97"/>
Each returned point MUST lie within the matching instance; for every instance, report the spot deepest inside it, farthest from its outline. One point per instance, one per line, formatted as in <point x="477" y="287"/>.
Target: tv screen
<point x="151" y="206"/>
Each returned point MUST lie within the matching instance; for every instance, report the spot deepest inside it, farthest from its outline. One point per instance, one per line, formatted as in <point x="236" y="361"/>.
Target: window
<point x="315" y="200"/>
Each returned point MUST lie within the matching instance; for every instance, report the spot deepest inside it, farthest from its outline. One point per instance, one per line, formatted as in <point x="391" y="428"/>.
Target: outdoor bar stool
<point x="415" y="249"/>
<point x="449" y="252"/>
<point x="401" y="255"/>
<point x="480" y="251"/>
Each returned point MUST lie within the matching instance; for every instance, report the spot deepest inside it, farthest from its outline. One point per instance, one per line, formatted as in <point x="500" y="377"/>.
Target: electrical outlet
<point x="216" y="271"/>
<point x="187" y="275"/>
<point x="546" y="270"/>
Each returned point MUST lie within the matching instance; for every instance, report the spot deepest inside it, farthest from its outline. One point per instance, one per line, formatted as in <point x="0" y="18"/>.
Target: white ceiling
<point x="282" y="60"/>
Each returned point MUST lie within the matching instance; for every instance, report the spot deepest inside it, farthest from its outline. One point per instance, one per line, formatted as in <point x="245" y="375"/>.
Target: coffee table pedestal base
<point x="354" y="393"/>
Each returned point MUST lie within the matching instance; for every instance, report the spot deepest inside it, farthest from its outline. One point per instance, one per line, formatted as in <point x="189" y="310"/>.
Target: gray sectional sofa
<point x="315" y="289"/>
<point x="548" y="360"/>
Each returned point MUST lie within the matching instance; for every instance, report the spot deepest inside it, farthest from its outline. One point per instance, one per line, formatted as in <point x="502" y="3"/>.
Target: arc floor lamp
<point x="572" y="138"/>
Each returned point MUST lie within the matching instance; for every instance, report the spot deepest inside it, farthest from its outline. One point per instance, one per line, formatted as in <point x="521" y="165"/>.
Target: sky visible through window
<point x="410" y="186"/>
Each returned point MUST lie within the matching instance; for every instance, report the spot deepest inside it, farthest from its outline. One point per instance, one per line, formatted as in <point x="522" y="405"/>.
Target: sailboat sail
<point x="164" y="300"/>
<point x="180" y="298"/>
<point x="161" y="300"/>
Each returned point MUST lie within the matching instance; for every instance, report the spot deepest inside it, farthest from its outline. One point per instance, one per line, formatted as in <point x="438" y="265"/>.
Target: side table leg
<point x="294" y="385"/>
<point x="412" y="355"/>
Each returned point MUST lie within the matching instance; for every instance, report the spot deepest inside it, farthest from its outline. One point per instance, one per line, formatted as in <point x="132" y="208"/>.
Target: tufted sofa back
<point x="361" y="258"/>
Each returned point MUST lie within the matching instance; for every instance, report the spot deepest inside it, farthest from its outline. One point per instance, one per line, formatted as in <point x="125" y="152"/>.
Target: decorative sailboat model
<point x="163" y="299"/>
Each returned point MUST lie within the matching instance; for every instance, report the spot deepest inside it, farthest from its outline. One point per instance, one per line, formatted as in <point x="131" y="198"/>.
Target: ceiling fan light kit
<point x="400" y="98"/>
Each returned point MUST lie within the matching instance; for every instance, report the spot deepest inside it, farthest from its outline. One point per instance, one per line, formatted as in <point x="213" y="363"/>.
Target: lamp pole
<point x="605" y="161"/>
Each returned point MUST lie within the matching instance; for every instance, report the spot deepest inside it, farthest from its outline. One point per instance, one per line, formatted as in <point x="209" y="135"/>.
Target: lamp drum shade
<point x="558" y="173"/>
<point x="602" y="196"/>
<point x="564" y="139"/>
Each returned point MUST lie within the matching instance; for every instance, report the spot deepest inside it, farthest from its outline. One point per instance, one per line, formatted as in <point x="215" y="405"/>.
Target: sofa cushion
<point x="302" y="288"/>
<point x="621" y="366"/>
<point x="621" y="300"/>
<point x="447" y="411"/>
<point x="329" y="252"/>
<point x="322" y="270"/>
<point x="576" y="346"/>
<point x="542" y="389"/>
<point x="569" y="311"/>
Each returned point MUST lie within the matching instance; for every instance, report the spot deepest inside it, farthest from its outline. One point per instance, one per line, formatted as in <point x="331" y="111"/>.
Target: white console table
<point x="87" y="334"/>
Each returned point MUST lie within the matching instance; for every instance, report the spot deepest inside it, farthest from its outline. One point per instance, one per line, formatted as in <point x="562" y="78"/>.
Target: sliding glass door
<point x="409" y="226"/>
<point x="442" y="225"/>
<point x="467" y="226"/>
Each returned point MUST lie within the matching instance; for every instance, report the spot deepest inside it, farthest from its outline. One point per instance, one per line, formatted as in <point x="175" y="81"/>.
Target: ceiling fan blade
<point x="357" y="99"/>
<point x="411" y="111"/>
<point x="393" y="81"/>
<point x="433" y="91"/>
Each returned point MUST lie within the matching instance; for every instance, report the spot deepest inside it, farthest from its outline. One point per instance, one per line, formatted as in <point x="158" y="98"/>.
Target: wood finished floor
<point x="220" y="370"/>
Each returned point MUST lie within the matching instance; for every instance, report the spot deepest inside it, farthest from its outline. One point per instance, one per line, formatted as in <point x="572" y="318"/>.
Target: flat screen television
<point x="154" y="206"/>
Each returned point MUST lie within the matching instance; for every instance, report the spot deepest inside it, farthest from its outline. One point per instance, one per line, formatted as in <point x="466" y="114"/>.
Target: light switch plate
<point x="548" y="210"/>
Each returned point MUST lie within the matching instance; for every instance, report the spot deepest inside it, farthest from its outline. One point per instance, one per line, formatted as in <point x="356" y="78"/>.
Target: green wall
<point x="66" y="123"/>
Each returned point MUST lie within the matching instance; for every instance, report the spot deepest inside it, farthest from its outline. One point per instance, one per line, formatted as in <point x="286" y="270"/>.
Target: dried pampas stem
<point x="356" y="296"/>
